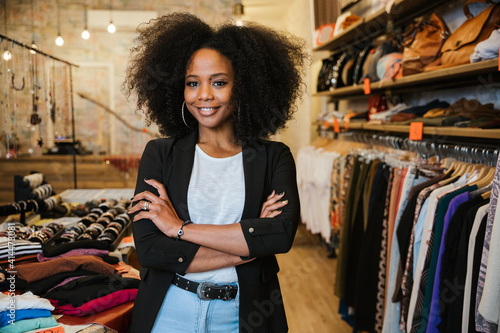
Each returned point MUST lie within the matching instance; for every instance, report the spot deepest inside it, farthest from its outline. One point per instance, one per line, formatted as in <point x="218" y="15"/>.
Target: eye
<point x="219" y="83"/>
<point x="191" y="84"/>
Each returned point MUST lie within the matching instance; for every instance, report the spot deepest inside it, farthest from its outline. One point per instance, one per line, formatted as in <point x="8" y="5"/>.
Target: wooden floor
<point x="306" y="278"/>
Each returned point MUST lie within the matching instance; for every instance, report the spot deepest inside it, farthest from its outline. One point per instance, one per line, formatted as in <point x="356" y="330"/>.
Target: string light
<point x="111" y="26"/>
<point x="59" y="39"/>
<point x="33" y="45"/>
<point x="238" y="12"/>
<point x="6" y="54"/>
<point x="85" y="32"/>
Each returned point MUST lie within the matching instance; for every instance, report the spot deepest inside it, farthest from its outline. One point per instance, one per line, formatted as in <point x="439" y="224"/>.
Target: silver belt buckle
<point x="203" y="288"/>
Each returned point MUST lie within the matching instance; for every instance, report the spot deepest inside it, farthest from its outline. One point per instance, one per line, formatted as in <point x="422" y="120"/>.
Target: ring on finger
<point x="146" y="205"/>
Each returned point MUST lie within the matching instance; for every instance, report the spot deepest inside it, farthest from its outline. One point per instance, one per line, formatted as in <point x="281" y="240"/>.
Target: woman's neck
<point x="218" y="144"/>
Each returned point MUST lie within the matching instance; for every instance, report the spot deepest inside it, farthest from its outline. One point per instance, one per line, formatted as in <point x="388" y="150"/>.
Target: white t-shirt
<point x="216" y="195"/>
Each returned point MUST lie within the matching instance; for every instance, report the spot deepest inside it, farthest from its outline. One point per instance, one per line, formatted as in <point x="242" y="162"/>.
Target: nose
<point x="205" y="92"/>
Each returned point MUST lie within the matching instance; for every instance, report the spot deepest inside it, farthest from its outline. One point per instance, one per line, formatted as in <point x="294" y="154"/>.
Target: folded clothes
<point x="29" y="324"/>
<point x="79" y="291"/>
<point x="75" y="252"/>
<point x="402" y="116"/>
<point x="472" y="109"/>
<point x="488" y="48"/>
<point x="50" y="250"/>
<point x="477" y="122"/>
<point x="22" y="247"/>
<point x="42" y="286"/>
<point x="97" y="305"/>
<point x="491" y="124"/>
<point x="386" y="115"/>
<point x="434" y="113"/>
<point x="36" y="271"/>
<point x="24" y="301"/>
<point x="6" y="317"/>
<point x="420" y="110"/>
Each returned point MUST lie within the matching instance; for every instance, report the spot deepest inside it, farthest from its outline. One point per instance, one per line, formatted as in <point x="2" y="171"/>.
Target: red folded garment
<point x="96" y="305"/>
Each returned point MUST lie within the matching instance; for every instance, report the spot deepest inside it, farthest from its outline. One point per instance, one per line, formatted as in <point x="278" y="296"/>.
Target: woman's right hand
<point x="273" y="206"/>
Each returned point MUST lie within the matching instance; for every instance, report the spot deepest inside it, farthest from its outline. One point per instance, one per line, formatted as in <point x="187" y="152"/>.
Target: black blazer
<point x="267" y="166"/>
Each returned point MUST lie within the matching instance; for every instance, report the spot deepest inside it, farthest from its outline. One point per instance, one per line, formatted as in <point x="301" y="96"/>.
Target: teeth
<point x="206" y="109"/>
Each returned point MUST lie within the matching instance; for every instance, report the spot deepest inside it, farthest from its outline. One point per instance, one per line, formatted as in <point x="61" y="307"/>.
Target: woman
<point x="215" y="201"/>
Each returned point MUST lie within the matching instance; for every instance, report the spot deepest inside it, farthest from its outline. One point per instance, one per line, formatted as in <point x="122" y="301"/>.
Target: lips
<point x="208" y="111"/>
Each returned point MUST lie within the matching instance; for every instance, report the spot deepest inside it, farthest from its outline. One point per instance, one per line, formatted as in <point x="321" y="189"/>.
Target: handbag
<point x="360" y="60"/>
<point x="460" y="45"/>
<point x="338" y="67"/>
<point x="422" y="42"/>
<point x="324" y="75"/>
<point x="386" y="47"/>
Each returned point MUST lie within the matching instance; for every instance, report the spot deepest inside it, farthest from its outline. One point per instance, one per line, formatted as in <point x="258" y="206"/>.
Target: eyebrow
<point x="211" y="76"/>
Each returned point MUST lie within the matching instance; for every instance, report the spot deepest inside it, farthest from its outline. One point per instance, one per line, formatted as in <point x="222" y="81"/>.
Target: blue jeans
<point x="183" y="311"/>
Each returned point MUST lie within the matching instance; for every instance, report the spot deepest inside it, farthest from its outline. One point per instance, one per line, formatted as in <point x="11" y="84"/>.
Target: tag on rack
<point x="367" y="88"/>
<point x="416" y="131"/>
<point x="326" y="125"/>
<point x="336" y="126"/>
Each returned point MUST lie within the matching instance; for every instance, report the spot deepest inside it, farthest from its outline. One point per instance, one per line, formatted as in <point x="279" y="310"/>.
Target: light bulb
<point x="33" y="46"/>
<point x="59" y="41"/>
<point x="85" y="34"/>
<point x="111" y="28"/>
<point x="239" y="23"/>
<point x="7" y="55"/>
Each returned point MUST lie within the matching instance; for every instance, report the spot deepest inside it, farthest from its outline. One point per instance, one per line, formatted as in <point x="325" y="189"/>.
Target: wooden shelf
<point x="442" y="78"/>
<point x="493" y="134"/>
<point x="376" y="23"/>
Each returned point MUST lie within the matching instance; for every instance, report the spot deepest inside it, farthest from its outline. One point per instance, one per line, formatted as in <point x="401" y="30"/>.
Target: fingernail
<point x="284" y="202"/>
<point x="146" y="179"/>
<point x="282" y="193"/>
<point x="280" y="210"/>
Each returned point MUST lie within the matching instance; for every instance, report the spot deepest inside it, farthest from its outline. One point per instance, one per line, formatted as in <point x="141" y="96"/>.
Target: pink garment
<point x="76" y="252"/>
<point x="96" y="305"/>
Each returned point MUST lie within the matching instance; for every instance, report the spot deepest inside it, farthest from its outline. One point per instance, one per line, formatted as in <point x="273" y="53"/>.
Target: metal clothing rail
<point x="472" y="153"/>
<point x="2" y="37"/>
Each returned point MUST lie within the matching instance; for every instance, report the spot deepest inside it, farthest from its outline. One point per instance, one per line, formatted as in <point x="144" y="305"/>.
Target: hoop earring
<point x="184" y="119"/>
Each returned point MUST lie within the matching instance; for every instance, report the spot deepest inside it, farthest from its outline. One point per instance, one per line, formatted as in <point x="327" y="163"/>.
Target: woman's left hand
<point x="158" y="209"/>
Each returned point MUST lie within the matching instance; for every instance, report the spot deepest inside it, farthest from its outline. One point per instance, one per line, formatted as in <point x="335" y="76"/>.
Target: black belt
<point x="207" y="290"/>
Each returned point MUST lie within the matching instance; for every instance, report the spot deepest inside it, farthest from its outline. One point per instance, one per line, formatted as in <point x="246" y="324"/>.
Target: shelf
<point x="444" y="78"/>
<point x="376" y="23"/>
<point x="493" y="134"/>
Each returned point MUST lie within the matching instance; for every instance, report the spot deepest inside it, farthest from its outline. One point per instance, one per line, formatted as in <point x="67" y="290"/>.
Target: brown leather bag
<point x="460" y="45"/>
<point x="422" y="42"/>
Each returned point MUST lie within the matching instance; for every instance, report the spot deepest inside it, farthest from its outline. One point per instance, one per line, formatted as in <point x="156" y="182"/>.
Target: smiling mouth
<point x="207" y="111"/>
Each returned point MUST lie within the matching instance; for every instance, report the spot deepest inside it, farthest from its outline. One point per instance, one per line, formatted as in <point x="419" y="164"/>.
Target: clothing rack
<point x="70" y="66"/>
<point x="465" y="152"/>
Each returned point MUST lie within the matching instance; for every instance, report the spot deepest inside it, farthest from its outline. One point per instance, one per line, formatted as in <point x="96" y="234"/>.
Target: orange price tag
<point x="416" y="131"/>
<point x="346" y="124"/>
<point x="499" y="62"/>
<point x="325" y="124"/>
<point x="368" y="89"/>
<point x="128" y="239"/>
<point x="336" y="126"/>
<point x="58" y="329"/>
